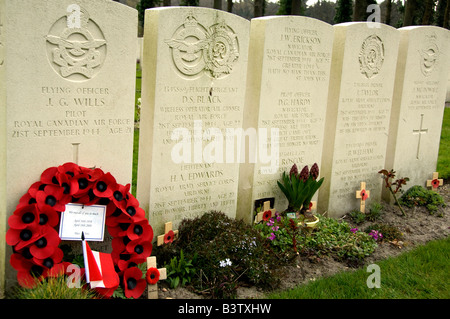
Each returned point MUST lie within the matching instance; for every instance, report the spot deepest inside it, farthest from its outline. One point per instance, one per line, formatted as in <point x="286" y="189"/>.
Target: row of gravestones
<point x="227" y="104"/>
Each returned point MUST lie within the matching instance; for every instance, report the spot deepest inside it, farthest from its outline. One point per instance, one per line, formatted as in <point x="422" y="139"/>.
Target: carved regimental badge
<point x="429" y="56"/>
<point x="76" y="47"/>
<point x="196" y="49"/>
<point x="371" y="56"/>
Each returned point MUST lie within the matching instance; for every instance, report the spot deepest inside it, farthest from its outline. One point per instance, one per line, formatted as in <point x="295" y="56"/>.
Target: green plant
<point x="336" y="239"/>
<point x="300" y="188"/>
<point x="375" y="211"/>
<point x="53" y="288"/>
<point x="357" y="216"/>
<point x="388" y="177"/>
<point x="214" y="237"/>
<point x="180" y="271"/>
<point x="283" y="234"/>
<point x="419" y="196"/>
<point x="389" y="232"/>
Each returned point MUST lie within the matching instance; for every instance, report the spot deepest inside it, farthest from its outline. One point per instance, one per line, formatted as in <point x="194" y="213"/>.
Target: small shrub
<point x="282" y="234"/>
<point x="389" y="232"/>
<point x="419" y="196"/>
<point x="357" y="217"/>
<point x="180" y="271"/>
<point x="216" y="238"/>
<point x="53" y="288"/>
<point x="375" y="211"/>
<point x="336" y="239"/>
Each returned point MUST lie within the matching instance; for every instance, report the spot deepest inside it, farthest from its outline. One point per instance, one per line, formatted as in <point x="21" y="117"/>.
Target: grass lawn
<point x="443" y="165"/>
<point x="421" y="273"/>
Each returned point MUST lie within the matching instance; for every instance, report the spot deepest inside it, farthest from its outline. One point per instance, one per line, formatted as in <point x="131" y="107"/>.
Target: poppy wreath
<point x="35" y="241"/>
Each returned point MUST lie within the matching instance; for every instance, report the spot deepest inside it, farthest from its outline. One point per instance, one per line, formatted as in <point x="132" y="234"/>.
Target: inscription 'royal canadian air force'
<point x="197" y="50"/>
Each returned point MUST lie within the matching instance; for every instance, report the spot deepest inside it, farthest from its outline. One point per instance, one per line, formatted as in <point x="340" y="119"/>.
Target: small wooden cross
<point x="153" y="288"/>
<point x="169" y="234"/>
<point x="266" y="208"/>
<point x="435" y="182"/>
<point x="363" y="194"/>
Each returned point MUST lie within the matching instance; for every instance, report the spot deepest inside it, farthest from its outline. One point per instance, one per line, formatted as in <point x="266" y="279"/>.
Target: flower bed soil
<point x="418" y="228"/>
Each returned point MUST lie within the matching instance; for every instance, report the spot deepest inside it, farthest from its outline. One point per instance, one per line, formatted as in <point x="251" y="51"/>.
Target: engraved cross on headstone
<point x="75" y="152"/>
<point x="420" y="131"/>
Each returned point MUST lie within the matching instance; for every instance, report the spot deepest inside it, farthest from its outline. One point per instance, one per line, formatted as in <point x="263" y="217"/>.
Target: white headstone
<point x="418" y="104"/>
<point x="67" y="75"/>
<point x="357" y="122"/>
<point x="287" y="87"/>
<point x="193" y="79"/>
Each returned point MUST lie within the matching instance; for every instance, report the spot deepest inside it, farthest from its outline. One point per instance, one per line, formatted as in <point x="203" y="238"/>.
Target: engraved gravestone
<point x="193" y="86"/>
<point x="357" y="120"/>
<point x="67" y="75"/>
<point x="289" y="69"/>
<point x="418" y="103"/>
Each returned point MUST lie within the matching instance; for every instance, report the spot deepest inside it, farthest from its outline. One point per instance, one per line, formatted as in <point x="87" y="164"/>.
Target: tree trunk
<point x="218" y="4"/>
<point x="258" y="8"/>
<point x="167" y="3"/>
<point x="296" y="7"/>
<point x="359" y="12"/>
<point x="446" y="15"/>
<point x="388" y="12"/>
<point x="230" y="6"/>
<point x="411" y="6"/>
<point x="426" y="20"/>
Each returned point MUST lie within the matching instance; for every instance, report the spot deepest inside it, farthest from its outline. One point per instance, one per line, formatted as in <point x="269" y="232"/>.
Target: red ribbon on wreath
<point x="35" y="241"/>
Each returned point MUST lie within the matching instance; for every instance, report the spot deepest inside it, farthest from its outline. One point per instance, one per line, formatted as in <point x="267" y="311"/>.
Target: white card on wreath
<point x="79" y="218"/>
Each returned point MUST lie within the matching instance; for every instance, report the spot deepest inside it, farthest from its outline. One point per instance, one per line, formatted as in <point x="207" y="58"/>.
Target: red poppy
<point x="46" y="244"/>
<point x="120" y="196"/>
<point x="25" y="200"/>
<point x="20" y="238"/>
<point x="134" y="284"/>
<point x="267" y="215"/>
<point x="94" y="173"/>
<point x="140" y="230"/>
<point x="169" y="236"/>
<point x="80" y="185"/>
<point x="139" y="248"/>
<point x="23" y="217"/>
<point x="435" y="183"/>
<point x="364" y="195"/>
<point x="105" y="186"/>
<point x="53" y="264"/>
<point x="132" y="208"/>
<point x="48" y="216"/>
<point x="28" y="273"/>
<point x="152" y="276"/>
<point x="126" y="261"/>
<point x="50" y="195"/>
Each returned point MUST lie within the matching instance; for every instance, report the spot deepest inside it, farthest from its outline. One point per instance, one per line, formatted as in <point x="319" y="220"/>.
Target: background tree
<point x="442" y="11"/>
<point x="387" y="17"/>
<point x="428" y="12"/>
<point x="145" y="4"/>
<point x="410" y="11"/>
<point x="189" y="3"/>
<point x="359" y="10"/>
<point x="229" y="5"/>
<point x="259" y="8"/>
<point x="297" y="7"/>
<point x="323" y="10"/>
<point x="344" y="11"/>
<point x="217" y="4"/>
